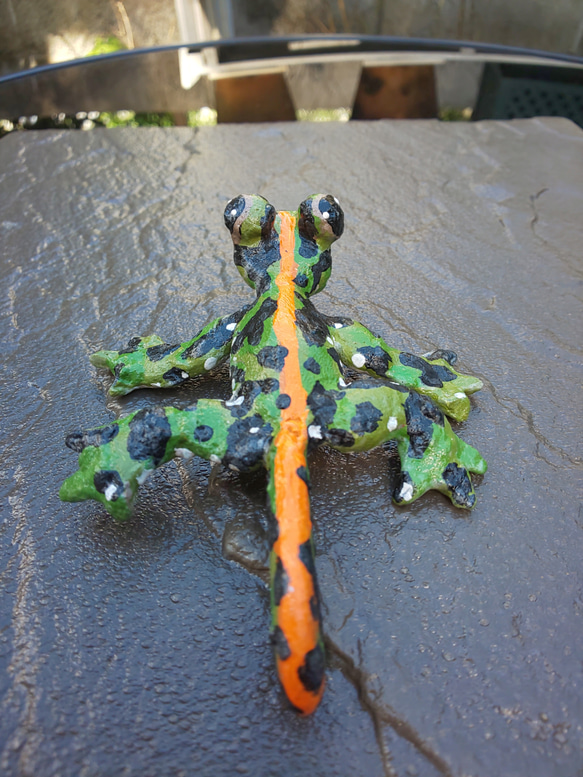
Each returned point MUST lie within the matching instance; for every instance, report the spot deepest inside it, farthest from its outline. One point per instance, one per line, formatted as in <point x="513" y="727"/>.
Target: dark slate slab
<point x="455" y="640"/>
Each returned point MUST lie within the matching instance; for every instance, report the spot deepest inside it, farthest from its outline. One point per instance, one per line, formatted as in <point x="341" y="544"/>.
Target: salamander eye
<point x="321" y="217"/>
<point x="249" y="217"/>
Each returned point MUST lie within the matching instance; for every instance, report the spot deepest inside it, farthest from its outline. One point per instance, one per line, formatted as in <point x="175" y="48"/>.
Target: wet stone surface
<point x="454" y="639"/>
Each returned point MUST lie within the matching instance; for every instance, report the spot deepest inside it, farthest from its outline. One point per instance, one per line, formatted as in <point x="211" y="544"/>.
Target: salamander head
<point x="256" y="229"/>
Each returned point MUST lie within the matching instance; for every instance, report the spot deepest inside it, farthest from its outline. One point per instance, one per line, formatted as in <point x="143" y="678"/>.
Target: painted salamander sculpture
<point x="290" y="394"/>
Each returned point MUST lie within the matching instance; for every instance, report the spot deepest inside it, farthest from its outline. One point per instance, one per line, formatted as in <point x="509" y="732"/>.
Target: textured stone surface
<point x="455" y="640"/>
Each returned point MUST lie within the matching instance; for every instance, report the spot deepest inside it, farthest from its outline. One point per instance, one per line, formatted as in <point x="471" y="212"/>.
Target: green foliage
<point x="106" y="46"/>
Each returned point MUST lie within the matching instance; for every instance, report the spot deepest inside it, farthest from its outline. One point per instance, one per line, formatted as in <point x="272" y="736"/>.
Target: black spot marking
<point x="449" y="356"/>
<point x="312" y="672"/>
<point x="175" y="376"/>
<point x="157" y="352"/>
<point x="339" y="320"/>
<point x="283" y="401"/>
<point x="306" y="223"/>
<point x="376" y="359"/>
<point x="338" y="437"/>
<point x="78" y="441"/>
<point x="460" y="485"/>
<point x="149" y="435"/>
<point x="250" y="390"/>
<point x="132" y="346"/>
<point x="104" y="479"/>
<point x="402" y="479"/>
<point x="307" y="557"/>
<point x="302" y="473"/>
<point x="255" y="260"/>
<point x="336" y="356"/>
<point x="203" y="433"/>
<point x="431" y="374"/>
<point x="280" y="644"/>
<point x="253" y="329"/>
<point x="420" y="414"/>
<point x="280" y="582"/>
<point x="312" y="365"/>
<point x="272" y="357"/>
<point x="244" y="449"/>
<point x="215" y="339"/>
<point x="322" y="403"/>
<point x="301" y="280"/>
<point x="308" y="248"/>
<point x="311" y="324"/>
<point x="322" y="266"/>
<point x="366" y="419"/>
<point x="315" y="609"/>
<point x="117" y="370"/>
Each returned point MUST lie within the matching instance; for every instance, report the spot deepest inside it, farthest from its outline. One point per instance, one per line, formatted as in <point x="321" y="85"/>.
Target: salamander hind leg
<point x="117" y="458"/>
<point x="432" y="456"/>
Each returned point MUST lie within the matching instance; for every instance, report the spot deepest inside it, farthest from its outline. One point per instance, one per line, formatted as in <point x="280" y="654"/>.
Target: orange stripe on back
<point x="292" y="505"/>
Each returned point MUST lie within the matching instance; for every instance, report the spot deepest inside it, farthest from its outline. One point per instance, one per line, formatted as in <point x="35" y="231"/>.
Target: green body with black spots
<point x="290" y="394"/>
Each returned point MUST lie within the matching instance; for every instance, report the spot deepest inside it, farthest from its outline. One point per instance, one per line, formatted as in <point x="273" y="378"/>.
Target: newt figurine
<point x="290" y="394"/>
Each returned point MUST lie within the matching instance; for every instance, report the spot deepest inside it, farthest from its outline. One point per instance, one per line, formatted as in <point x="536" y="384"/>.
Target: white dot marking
<point x="109" y="492"/>
<point x="234" y="212"/>
<point x="406" y="492"/>
<point x="210" y="363"/>
<point x="342" y="383"/>
<point x="358" y="360"/>
<point x="315" y="432"/>
<point x="254" y="430"/>
<point x="337" y="325"/>
<point x="184" y="374"/>
<point x="392" y="424"/>
<point x="326" y="215"/>
<point x="231" y="326"/>
<point x="460" y="395"/>
<point x="330" y="340"/>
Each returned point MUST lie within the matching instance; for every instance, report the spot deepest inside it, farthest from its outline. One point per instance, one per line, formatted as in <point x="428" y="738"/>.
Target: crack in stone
<point x="381" y="715"/>
<point x="517" y="409"/>
<point x="533" y="198"/>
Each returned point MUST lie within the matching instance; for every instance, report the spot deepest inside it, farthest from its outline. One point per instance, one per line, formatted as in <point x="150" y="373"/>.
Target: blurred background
<point x="328" y="71"/>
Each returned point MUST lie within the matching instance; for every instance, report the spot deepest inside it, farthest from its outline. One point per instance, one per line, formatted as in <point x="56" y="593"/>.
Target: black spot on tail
<point x="307" y="557"/>
<point x="280" y="582"/>
<point x="312" y="672"/>
<point x="104" y="479"/>
<point x="280" y="644"/>
<point x="149" y="435"/>
<point x="302" y="473"/>
<point x="78" y="441"/>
